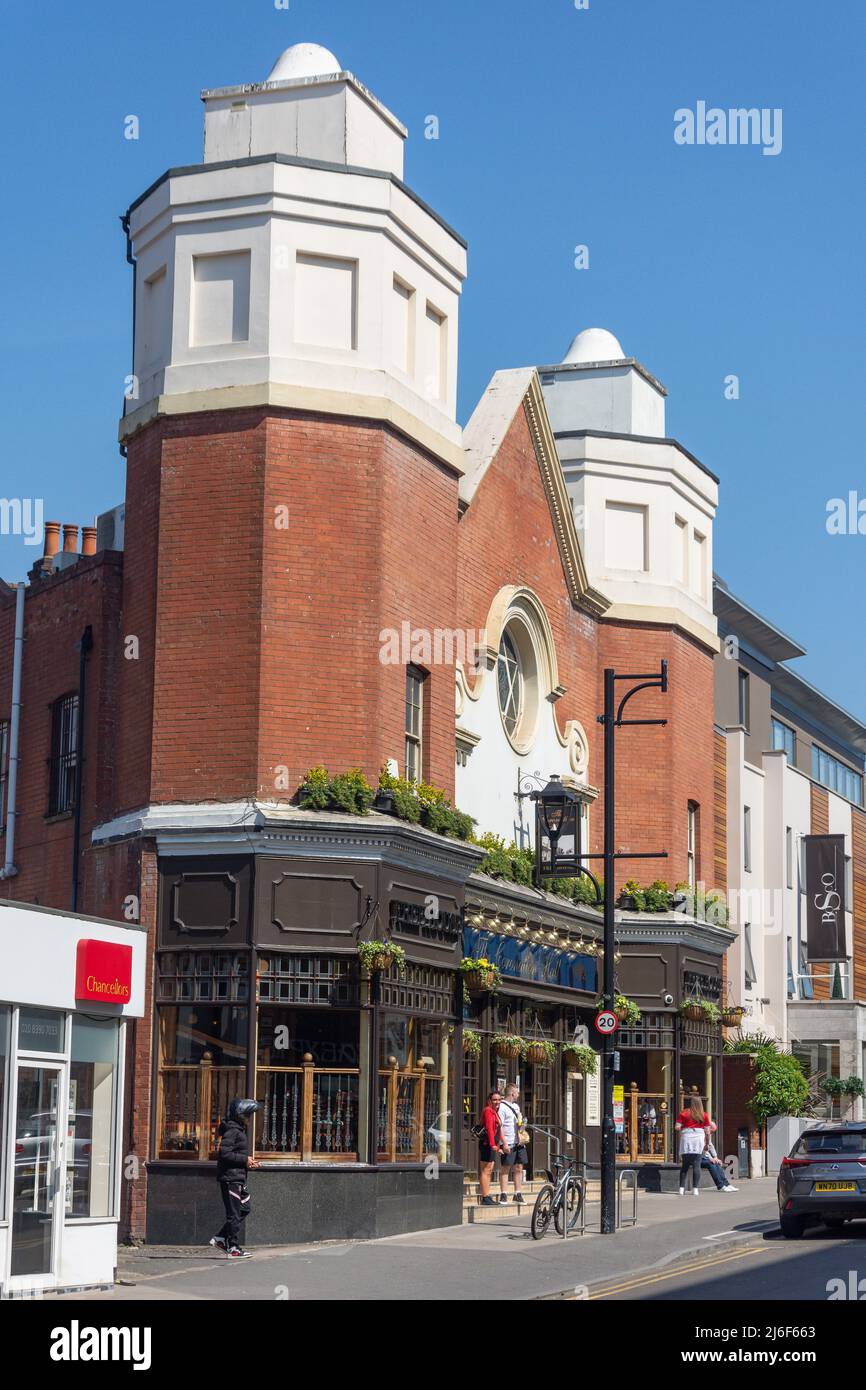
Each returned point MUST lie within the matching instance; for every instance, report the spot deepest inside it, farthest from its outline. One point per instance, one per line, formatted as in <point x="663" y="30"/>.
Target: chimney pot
<point x="88" y="540"/>
<point x="52" y="537"/>
<point x="70" y="538"/>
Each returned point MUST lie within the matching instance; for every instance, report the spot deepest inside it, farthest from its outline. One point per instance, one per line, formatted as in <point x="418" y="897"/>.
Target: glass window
<point x="414" y="1115"/>
<point x="691" y="852"/>
<point x="744" y="699"/>
<point x="64" y="745"/>
<point x="414" y="723"/>
<point x="510" y="683"/>
<point x="818" y="1060"/>
<point x="202" y="1067"/>
<point x="830" y="772"/>
<point x="91" y="1119"/>
<point x="749" y="970"/>
<point x="41" y="1030"/>
<point x="747" y="839"/>
<point x="308" y="1110"/>
<point x="785" y="738"/>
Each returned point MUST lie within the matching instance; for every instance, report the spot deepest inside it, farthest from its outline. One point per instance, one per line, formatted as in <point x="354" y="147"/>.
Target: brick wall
<point x="56" y="612"/>
<point x="263" y="650"/>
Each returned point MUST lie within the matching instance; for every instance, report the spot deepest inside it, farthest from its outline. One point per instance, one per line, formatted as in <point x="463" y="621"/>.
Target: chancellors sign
<point x="529" y="960"/>
<point x="825" y="897"/>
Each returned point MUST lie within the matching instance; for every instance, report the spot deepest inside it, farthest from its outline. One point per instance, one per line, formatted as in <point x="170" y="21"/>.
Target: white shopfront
<point x="67" y="985"/>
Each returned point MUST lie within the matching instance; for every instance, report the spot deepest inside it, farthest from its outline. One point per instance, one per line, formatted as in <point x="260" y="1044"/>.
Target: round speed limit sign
<point x="606" y="1022"/>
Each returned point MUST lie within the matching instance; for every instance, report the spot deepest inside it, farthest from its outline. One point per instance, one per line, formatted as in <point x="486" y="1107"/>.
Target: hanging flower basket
<point x="508" y="1046"/>
<point x="692" y="1011"/>
<point x="732" y="1017"/>
<point x="581" y="1058"/>
<point x="540" y="1052"/>
<point x="378" y="956"/>
<point x="471" y="1042"/>
<point x="479" y="976"/>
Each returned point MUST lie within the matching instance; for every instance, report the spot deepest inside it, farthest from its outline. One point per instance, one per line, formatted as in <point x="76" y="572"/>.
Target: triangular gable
<point x="508" y="392"/>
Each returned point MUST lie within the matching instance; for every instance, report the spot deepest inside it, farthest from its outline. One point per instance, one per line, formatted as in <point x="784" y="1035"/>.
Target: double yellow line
<point x="677" y="1271"/>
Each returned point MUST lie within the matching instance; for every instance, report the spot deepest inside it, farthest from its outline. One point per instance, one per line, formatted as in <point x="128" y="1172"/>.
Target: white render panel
<point x="625" y="537"/>
<point x="38" y="958"/>
<point x="273" y="213"/>
<point x="220" y="289"/>
<point x="325" y="298"/>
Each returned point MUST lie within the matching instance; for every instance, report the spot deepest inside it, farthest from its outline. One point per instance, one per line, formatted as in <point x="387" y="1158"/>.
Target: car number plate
<point x="835" y="1187"/>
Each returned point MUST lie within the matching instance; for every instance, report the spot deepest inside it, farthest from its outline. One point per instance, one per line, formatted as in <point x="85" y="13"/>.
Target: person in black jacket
<point x="233" y="1161"/>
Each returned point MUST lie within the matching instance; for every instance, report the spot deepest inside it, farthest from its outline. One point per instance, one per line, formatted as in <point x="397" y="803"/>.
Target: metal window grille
<point x="64" y="743"/>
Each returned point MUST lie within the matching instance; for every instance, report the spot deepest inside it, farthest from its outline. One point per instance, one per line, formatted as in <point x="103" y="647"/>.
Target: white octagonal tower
<point x="643" y="505"/>
<point x="294" y="267"/>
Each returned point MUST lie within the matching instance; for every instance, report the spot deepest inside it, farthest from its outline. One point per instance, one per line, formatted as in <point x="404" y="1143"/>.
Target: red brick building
<point x="298" y="492"/>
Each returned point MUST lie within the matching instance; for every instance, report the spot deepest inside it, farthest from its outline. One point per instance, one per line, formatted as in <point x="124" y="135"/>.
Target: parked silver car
<point x="824" y="1178"/>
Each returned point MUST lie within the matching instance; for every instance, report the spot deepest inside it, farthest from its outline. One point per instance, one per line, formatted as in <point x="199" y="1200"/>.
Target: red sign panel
<point x="103" y="971"/>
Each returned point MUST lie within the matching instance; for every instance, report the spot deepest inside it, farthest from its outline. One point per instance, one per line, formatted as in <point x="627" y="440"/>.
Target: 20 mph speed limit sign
<point x="606" y="1022"/>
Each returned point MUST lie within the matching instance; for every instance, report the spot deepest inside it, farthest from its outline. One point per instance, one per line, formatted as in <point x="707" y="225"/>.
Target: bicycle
<point x="561" y="1198"/>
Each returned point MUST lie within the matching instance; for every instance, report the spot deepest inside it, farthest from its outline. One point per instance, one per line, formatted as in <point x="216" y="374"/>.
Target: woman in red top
<point x="693" y="1127"/>
<point x="491" y="1144"/>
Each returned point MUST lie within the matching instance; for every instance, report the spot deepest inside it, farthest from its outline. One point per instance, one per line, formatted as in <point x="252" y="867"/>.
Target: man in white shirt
<point x="515" y="1160"/>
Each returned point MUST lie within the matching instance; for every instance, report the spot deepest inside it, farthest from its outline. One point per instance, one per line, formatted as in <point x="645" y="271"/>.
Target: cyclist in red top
<point x="693" y="1127"/>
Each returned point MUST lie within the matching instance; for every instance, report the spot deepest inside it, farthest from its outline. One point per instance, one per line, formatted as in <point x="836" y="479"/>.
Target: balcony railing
<point x="191" y="1102"/>
<point x="410" y="1123"/>
<point x="307" y="1113"/>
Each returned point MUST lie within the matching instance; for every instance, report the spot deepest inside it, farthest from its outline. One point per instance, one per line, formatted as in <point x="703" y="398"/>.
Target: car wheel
<point x="792" y="1226"/>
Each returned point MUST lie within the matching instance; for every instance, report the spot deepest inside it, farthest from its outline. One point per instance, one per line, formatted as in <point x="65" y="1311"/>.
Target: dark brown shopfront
<point x="259" y="992"/>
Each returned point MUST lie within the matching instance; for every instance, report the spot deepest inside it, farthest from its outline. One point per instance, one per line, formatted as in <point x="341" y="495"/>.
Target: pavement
<point x="466" y="1263"/>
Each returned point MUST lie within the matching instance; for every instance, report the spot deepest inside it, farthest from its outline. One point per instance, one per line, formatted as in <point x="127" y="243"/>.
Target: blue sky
<point x="556" y="128"/>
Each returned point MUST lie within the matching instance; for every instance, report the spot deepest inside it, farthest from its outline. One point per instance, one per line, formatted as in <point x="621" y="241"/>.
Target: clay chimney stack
<point x="52" y="537"/>
<point x="88" y="540"/>
<point x="70" y="538"/>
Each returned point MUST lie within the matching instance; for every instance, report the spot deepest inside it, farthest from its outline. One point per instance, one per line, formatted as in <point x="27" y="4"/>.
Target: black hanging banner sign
<point x="825" y="898"/>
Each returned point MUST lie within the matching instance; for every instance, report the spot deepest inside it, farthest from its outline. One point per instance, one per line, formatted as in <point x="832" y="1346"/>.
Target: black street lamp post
<point x="558" y="852"/>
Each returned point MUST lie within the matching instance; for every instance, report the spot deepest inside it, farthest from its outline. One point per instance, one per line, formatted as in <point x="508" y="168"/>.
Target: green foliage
<point x="853" y="1086"/>
<point x="781" y="1087"/>
<point x="508" y="1042"/>
<point x="419" y="802"/>
<point x="348" y="791"/>
<point x="505" y="861"/>
<point x="315" y="790"/>
<point x="833" y="1086"/>
<point x="711" y="1012"/>
<point x="379" y="955"/>
<point x="751" y="1042"/>
<point x="581" y="1058"/>
<point x="545" y="1046"/>
<point x="471" y="1042"/>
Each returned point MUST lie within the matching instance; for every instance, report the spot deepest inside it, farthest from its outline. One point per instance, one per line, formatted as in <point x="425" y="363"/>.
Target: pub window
<point x="414" y="761"/>
<point x="692" y="846"/>
<point x="744" y="699"/>
<point x="202" y="1048"/>
<point x="747" y="839"/>
<point x="64" y="743"/>
<point x="414" y="1099"/>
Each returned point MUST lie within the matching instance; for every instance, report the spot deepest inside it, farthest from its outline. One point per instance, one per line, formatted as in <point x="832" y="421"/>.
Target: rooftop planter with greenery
<point x="416" y="803"/>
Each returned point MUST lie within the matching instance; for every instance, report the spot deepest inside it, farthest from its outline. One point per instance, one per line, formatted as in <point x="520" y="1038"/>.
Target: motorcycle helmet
<point x="240" y="1109"/>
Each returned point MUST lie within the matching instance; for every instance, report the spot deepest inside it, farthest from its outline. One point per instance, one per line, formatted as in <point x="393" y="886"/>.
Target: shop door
<point x="38" y="1169"/>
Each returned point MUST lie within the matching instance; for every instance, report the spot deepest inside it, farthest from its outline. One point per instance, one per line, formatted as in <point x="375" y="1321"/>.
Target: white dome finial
<point x="594" y="345"/>
<point x="304" y="60"/>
